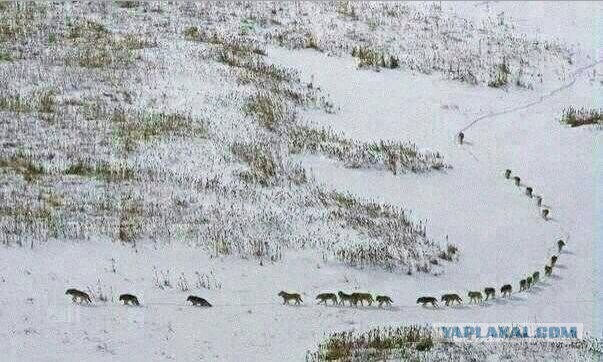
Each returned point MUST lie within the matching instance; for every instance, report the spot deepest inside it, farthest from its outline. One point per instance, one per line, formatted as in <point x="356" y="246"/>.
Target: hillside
<point x="232" y="151"/>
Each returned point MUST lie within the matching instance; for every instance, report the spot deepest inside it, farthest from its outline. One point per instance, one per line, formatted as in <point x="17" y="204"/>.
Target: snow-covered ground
<point x="574" y="23"/>
<point x="499" y="231"/>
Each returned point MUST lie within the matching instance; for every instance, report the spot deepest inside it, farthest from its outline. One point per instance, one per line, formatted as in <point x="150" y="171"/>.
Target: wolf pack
<point x="355" y="298"/>
<point x="475" y="296"/>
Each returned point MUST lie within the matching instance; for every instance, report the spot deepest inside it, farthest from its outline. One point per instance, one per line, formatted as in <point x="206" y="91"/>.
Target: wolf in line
<point x="560" y="245"/>
<point x="290" y="296"/>
<point x="548" y="270"/>
<point x="129" y="299"/>
<point x="536" y="277"/>
<point x="506" y="290"/>
<point x="78" y="294"/>
<point x="490" y="292"/>
<point x="507" y="174"/>
<point x="384" y="299"/>
<point x="324" y="297"/>
<point x="198" y="301"/>
<point x="343" y="297"/>
<point x="362" y="297"/>
<point x="449" y="299"/>
<point x="428" y="300"/>
<point x="554" y="260"/>
<point x="475" y="297"/>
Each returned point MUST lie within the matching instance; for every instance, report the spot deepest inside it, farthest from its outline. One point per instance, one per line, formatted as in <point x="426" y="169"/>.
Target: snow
<point x="575" y="23"/>
<point x="499" y="230"/>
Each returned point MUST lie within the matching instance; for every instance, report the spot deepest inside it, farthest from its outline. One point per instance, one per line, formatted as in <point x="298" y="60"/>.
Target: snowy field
<point x="224" y="199"/>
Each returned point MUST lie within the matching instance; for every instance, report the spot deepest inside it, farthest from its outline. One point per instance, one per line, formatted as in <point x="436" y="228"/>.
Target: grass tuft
<point x="373" y="345"/>
<point x="262" y="167"/>
<point x="369" y="57"/>
<point x="22" y="165"/>
<point x="269" y="111"/>
<point x="582" y="117"/>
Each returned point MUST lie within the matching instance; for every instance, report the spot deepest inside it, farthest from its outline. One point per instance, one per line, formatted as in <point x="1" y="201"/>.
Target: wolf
<point x="431" y="300"/>
<point x="545" y="214"/>
<point x="129" y="299"/>
<point x="343" y="297"/>
<point x="548" y="270"/>
<point x="324" y="297"/>
<point x="529" y="281"/>
<point x="78" y="294"/>
<point x="553" y="260"/>
<point x="451" y="298"/>
<point x="560" y="245"/>
<point x="507" y="174"/>
<point x="198" y="301"/>
<point x="517" y="180"/>
<point x="384" y="299"/>
<point x="529" y="191"/>
<point x="522" y="285"/>
<point x="536" y="277"/>
<point x="290" y="296"/>
<point x="475" y="297"/>
<point x="461" y="137"/>
<point x="362" y="297"/>
<point x="506" y="290"/>
<point x="490" y="292"/>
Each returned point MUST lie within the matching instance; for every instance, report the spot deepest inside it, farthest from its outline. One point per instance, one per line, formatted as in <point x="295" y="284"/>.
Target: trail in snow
<point x="574" y="75"/>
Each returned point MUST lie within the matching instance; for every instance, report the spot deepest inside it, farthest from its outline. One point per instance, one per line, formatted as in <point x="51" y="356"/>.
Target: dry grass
<point x="92" y="45"/>
<point x="263" y="168"/>
<point x="104" y="151"/>
<point x="103" y="171"/>
<point x="422" y="344"/>
<point x="233" y="43"/>
<point x="268" y="110"/>
<point x="393" y="156"/>
<point x="582" y="117"/>
<point x="24" y="166"/>
<point x="134" y="127"/>
<point x="376" y="344"/>
<point x="369" y="57"/>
